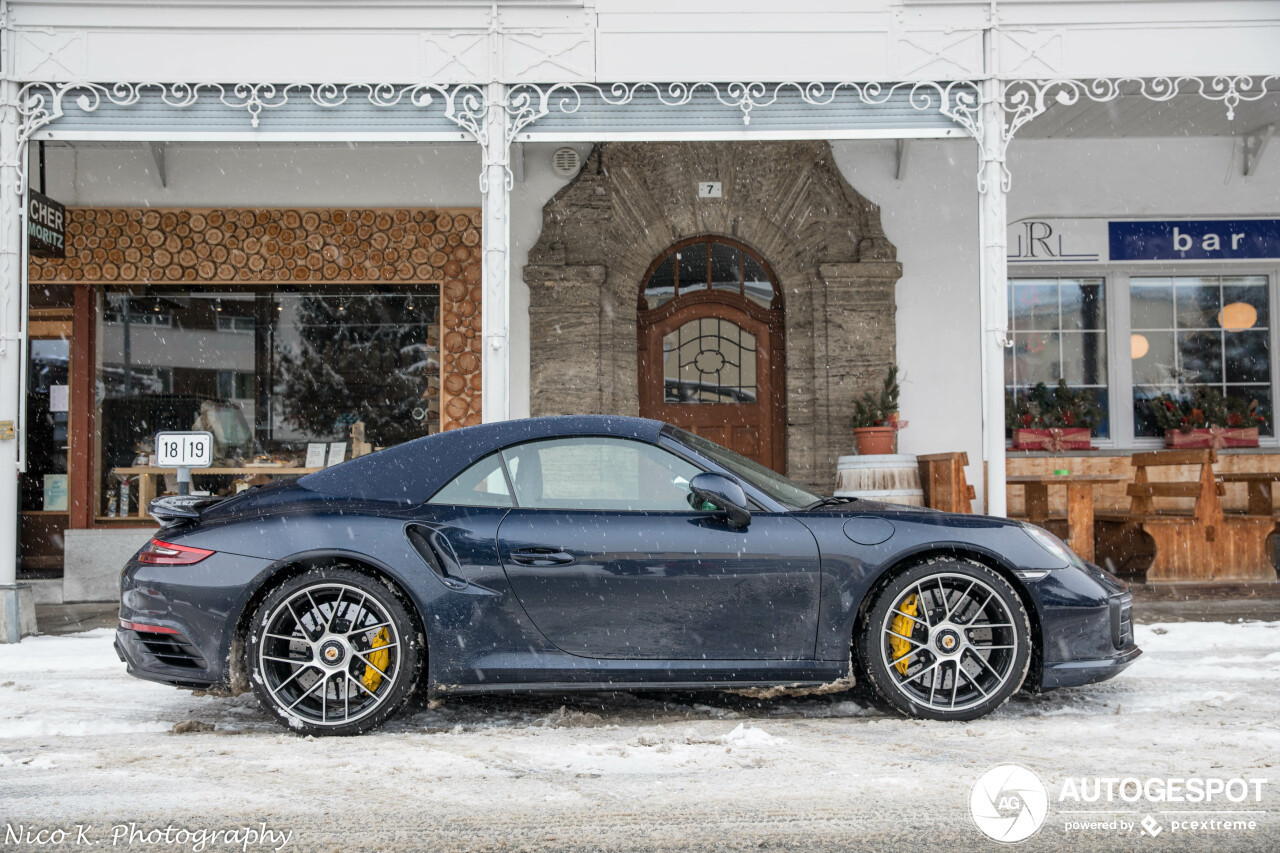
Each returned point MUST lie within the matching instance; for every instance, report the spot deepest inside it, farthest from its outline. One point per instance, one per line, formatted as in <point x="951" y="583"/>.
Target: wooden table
<point x="1079" y="503"/>
<point x="1259" y="489"/>
<point x="146" y="483"/>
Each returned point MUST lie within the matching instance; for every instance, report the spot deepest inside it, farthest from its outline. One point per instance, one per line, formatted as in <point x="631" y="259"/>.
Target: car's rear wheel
<point x="946" y="640"/>
<point x="333" y="652"/>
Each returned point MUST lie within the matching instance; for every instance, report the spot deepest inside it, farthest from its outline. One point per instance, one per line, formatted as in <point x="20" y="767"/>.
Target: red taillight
<point x="168" y="554"/>
<point x="150" y="629"/>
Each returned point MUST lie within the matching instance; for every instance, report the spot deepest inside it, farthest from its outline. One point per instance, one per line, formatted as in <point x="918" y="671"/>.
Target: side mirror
<point x="723" y="494"/>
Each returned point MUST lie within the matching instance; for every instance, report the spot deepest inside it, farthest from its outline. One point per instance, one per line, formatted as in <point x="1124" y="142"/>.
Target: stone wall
<point x="788" y="201"/>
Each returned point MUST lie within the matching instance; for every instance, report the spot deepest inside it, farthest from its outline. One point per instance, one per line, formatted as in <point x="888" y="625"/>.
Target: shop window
<point x="1199" y="331"/>
<point x="1059" y="330"/>
<point x="269" y="371"/>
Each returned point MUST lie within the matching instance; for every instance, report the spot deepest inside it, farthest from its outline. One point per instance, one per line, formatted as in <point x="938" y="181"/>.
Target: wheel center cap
<point x="947" y="641"/>
<point x="332" y="652"/>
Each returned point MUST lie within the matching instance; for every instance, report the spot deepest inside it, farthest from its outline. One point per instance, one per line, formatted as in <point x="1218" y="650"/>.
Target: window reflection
<point x="1200" y="330"/>
<point x="1059" y="331"/>
<point x="267" y="371"/>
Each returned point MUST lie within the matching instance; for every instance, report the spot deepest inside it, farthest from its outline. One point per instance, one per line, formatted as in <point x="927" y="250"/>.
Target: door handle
<point x="541" y="557"/>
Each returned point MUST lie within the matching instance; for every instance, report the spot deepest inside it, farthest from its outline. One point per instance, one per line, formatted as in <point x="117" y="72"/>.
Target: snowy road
<point x="82" y="743"/>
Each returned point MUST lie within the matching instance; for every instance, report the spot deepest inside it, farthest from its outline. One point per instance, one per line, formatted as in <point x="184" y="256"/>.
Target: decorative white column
<point x="993" y="281"/>
<point x="495" y="323"/>
<point x="11" y="306"/>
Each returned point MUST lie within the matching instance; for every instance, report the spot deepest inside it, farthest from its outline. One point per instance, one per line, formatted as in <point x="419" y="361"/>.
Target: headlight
<point x="1052" y="544"/>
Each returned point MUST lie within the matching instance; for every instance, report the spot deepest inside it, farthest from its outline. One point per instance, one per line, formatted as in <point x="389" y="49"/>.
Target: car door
<point x="609" y="560"/>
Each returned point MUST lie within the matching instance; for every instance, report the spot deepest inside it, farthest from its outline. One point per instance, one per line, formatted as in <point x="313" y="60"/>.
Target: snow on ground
<point x="83" y="743"/>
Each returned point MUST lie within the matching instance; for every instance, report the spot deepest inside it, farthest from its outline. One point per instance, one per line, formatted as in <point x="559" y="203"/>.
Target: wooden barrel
<point x="892" y="479"/>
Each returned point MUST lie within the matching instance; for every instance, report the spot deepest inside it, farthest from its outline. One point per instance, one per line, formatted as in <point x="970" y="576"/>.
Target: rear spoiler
<point x="174" y="510"/>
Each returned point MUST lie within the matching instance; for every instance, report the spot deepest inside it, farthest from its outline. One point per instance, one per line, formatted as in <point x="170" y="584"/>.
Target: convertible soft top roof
<point x="412" y="472"/>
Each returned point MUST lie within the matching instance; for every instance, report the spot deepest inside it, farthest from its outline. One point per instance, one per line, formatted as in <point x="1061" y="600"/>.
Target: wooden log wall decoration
<point x="321" y="246"/>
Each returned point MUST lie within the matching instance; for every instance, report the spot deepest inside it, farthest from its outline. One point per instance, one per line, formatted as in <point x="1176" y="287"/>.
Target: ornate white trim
<point x="465" y="105"/>
<point x="1025" y="100"/>
<point x="40" y="104"/>
<point x="529" y="102"/>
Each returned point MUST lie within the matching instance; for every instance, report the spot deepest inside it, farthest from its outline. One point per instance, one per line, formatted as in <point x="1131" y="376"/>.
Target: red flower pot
<point x="876" y="441"/>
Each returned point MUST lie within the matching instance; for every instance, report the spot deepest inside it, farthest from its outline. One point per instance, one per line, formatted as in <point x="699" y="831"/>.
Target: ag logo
<point x="1008" y="803"/>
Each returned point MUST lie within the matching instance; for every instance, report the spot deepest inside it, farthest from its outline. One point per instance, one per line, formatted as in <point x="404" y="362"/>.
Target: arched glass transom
<point x="709" y="264"/>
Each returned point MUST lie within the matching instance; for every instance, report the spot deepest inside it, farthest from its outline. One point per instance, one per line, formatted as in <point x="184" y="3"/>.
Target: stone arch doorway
<point x="632" y="202"/>
<point x="711" y="346"/>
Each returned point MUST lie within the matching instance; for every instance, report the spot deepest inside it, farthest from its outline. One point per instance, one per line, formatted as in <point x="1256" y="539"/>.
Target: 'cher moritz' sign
<point x="1074" y="241"/>
<point x="46" y="226"/>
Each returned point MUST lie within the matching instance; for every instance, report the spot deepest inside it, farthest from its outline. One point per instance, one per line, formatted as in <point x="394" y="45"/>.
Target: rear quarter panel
<point x="462" y="623"/>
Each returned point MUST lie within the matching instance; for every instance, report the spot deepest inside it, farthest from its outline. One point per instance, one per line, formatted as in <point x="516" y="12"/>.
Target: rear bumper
<point x="201" y="603"/>
<point x="166" y="658"/>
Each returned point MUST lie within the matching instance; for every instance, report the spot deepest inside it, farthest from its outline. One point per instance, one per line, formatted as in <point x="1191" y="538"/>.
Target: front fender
<point x="851" y="571"/>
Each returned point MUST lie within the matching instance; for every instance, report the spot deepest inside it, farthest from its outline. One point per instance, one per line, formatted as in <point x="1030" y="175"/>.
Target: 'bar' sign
<point x="46" y="226"/>
<point x="1194" y="239"/>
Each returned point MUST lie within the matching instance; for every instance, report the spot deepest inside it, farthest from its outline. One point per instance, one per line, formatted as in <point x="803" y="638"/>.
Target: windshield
<point x="789" y="493"/>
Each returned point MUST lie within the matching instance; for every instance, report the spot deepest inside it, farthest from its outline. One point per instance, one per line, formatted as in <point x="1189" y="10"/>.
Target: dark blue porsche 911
<point x="600" y="553"/>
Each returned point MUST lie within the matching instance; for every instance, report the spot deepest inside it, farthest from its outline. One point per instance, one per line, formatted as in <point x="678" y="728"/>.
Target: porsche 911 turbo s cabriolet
<point x="600" y="553"/>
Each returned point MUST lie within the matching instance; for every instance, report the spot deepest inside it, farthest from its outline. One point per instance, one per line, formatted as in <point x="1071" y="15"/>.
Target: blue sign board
<point x="1194" y="239"/>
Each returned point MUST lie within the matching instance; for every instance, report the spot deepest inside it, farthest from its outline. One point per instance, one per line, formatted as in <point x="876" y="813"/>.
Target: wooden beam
<point x="82" y="475"/>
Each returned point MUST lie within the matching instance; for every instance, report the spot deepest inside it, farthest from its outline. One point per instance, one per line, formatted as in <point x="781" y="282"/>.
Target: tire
<point x="948" y="639"/>
<point x="333" y="652"/>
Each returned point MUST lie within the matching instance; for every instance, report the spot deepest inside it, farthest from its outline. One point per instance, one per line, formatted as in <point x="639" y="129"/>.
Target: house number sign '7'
<point x="709" y="189"/>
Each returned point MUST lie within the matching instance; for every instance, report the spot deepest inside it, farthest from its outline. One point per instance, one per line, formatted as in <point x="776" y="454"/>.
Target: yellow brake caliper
<point x="901" y="625"/>
<point x="379" y="657"/>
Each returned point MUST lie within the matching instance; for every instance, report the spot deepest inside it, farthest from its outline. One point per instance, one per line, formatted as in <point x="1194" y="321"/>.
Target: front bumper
<point x="1077" y="672"/>
<point x="1086" y="625"/>
<point x="201" y="604"/>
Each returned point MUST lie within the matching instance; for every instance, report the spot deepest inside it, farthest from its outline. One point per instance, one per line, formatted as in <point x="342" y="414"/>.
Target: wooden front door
<point x="711" y="352"/>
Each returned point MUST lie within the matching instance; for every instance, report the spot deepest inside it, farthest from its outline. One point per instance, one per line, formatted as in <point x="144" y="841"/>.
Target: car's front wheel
<point x="946" y="640"/>
<point x="332" y="652"/>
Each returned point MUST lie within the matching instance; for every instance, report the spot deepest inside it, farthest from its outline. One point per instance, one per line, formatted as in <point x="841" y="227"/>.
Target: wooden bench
<point x="1198" y="543"/>
<point x="943" y="482"/>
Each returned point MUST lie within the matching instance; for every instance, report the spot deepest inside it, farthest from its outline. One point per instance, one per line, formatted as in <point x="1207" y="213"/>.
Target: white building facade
<point x="223" y="162"/>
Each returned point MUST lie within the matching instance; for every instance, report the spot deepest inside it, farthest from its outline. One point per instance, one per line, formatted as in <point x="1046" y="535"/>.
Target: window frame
<point x="1056" y="275"/>
<point x="1116" y="278"/>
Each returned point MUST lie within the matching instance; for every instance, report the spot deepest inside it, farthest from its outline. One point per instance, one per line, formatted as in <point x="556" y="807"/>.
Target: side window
<point x="483" y="484"/>
<point x="599" y="473"/>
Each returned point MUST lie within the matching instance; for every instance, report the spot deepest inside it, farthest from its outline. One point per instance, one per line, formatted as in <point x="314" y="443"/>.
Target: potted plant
<point x="1203" y="417"/>
<point x="1052" y="419"/>
<point x="875" y="418"/>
